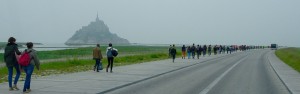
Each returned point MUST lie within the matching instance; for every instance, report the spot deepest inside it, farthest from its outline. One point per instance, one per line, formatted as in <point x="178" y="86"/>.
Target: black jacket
<point x="9" y="54"/>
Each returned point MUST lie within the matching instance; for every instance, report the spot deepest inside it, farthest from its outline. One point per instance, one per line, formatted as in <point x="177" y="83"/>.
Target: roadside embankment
<point x="290" y="56"/>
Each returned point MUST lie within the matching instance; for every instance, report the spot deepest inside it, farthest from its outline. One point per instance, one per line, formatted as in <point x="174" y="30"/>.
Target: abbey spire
<point x="97" y="19"/>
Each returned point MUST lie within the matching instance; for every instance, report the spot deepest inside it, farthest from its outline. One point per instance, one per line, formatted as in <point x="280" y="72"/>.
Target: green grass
<point x="290" y="56"/>
<point x="87" y="51"/>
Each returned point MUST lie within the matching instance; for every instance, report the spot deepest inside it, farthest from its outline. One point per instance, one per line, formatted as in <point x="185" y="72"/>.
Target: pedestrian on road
<point x="204" y="50"/>
<point x="173" y="52"/>
<point x="189" y="52"/>
<point x="183" y="51"/>
<point x="199" y="50"/>
<point x="209" y="50"/>
<point x="223" y="49"/>
<point x="110" y="57"/>
<point x="227" y="49"/>
<point x="170" y="50"/>
<point x="34" y="61"/>
<point x="215" y="50"/>
<point x="97" y="56"/>
<point x="193" y="50"/>
<point x="220" y="49"/>
<point x="11" y="62"/>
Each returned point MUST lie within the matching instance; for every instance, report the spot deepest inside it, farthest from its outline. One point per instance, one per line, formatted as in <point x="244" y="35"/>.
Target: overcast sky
<point x="255" y="22"/>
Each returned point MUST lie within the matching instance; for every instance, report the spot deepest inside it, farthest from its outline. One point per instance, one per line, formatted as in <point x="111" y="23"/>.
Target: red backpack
<point x="24" y="59"/>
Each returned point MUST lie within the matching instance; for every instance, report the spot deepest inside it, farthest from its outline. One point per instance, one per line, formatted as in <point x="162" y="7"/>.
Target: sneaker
<point x="27" y="91"/>
<point x="11" y="89"/>
<point x="15" y="87"/>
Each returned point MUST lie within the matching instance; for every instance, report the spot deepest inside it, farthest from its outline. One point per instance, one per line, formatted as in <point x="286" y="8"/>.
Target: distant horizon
<point x="167" y="44"/>
<point x="252" y="22"/>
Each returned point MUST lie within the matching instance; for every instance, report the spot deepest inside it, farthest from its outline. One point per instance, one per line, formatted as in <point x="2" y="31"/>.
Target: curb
<point x="290" y="91"/>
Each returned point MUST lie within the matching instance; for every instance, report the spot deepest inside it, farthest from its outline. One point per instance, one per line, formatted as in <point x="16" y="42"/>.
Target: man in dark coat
<point x="10" y="59"/>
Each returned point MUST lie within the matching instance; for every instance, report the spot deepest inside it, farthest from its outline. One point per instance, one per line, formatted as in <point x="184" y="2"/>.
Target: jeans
<point x="110" y="63"/>
<point x="28" y="70"/>
<point x="98" y="64"/>
<point x="189" y="55"/>
<point x="10" y="73"/>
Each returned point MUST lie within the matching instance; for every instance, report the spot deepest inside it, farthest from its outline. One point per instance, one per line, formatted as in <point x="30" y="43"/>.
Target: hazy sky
<point x="255" y="22"/>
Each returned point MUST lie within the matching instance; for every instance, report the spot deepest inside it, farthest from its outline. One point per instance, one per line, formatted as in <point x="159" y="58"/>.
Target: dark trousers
<point x="209" y="52"/>
<point x="198" y="54"/>
<point x="98" y="66"/>
<point x="193" y="55"/>
<point x="173" y="57"/>
<point x="110" y="63"/>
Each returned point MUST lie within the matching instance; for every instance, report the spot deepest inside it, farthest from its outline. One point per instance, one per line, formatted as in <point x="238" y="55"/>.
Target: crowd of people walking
<point x="14" y="58"/>
<point x="193" y="51"/>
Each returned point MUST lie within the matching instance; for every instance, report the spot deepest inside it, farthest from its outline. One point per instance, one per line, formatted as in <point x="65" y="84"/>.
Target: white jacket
<point x="110" y="48"/>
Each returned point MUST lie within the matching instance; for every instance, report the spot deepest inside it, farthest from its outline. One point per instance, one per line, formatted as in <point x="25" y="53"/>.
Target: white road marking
<point x="211" y="85"/>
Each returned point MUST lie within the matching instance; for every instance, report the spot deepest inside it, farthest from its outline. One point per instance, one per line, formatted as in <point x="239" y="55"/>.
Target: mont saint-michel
<point x="96" y="32"/>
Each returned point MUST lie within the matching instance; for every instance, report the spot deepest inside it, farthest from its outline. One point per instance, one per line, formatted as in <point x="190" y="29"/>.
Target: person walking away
<point x="209" y="50"/>
<point x="170" y="50"/>
<point x="230" y="49"/>
<point x="173" y="52"/>
<point x="220" y="49"/>
<point x="97" y="56"/>
<point x="223" y="49"/>
<point x="189" y="52"/>
<point x="11" y="62"/>
<point x="110" y="57"/>
<point x="215" y="50"/>
<point x="204" y="50"/>
<point x="183" y="50"/>
<point x="193" y="50"/>
<point x="227" y="49"/>
<point x="34" y="61"/>
<point x="198" y="51"/>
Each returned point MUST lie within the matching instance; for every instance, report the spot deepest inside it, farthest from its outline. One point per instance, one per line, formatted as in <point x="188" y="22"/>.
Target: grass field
<point x="81" y="52"/>
<point x="290" y="56"/>
<point x="141" y="54"/>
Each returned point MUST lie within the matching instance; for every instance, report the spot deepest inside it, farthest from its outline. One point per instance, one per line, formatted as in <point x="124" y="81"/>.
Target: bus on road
<point x="274" y="46"/>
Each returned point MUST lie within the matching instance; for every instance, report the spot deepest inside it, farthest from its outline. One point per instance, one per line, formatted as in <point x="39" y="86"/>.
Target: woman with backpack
<point x="34" y="61"/>
<point x="11" y="62"/>
<point x="110" y="56"/>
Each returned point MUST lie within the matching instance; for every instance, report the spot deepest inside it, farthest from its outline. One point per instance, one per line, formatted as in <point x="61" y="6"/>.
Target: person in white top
<point x="110" y="57"/>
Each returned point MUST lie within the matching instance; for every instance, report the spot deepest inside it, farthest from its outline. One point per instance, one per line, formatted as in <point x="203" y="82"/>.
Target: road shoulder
<point x="288" y="75"/>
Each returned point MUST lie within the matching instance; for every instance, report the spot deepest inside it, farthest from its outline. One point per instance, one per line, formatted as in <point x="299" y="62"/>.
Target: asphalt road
<point x="242" y="73"/>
